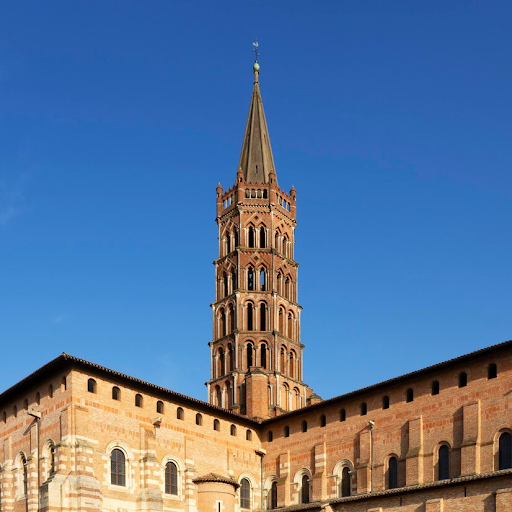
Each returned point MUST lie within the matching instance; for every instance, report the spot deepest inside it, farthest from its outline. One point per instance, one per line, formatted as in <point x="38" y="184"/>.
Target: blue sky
<point x="118" y="119"/>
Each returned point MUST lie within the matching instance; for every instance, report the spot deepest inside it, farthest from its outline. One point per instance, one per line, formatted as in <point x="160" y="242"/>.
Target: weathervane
<point x="255" y="50"/>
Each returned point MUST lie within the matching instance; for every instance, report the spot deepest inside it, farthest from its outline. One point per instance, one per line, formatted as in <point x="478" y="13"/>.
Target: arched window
<point x="296" y="396"/>
<point x="290" y="326"/>
<point x="235" y="236"/>
<point x="91" y="386"/>
<point x="234" y="280"/>
<point x="51" y="459"/>
<point x="505" y="451"/>
<point x="231" y="319"/>
<point x="245" y="494"/>
<point x="171" y="478"/>
<point x="180" y="414"/>
<point x="392" y="473"/>
<point x="116" y="393"/>
<point x="228" y="243"/>
<point x="138" y="400"/>
<point x="444" y="463"/>
<point x="218" y="396"/>
<point x="249" y="316"/>
<point x="229" y="395"/>
<point x="279" y="284"/>
<point x="435" y="387"/>
<point x="385" y="402"/>
<point x="282" y="361"/>
<point x="216" y="425"/>
<point x="23" y="475"/>
<point x="223" y="325"/>
<point x="292" y="364"/>
<point x="263" y="237"/>
<point x="263" y="317"/>
<point x="304" y="489"/>
<point x="364" y="409"/>
<point x="281" y="320"/>
<point x="231" y="362"/>
<point x="263" y="356"/>
<point x="232" y="430"/>
<point x="38" y="398"/>
<point x="222" y="362"/>
<point x="345" y="482"/>
<point x="409" y="395"/>
<point x="304" y="426"/>
<point x="251" y="237"/>
<point x="343" y="415"/>
<point x="262" y="280"/>
<point x="250" y="278"/>
<point x="273" y="495"/>
<point x="249" y="351"/>
<point x="248" y="435"/>
<point x="492" y="371"/>
<point x="117" y="467"/>
<point x="323" y="420"/>
<point x="199" y="419"/>
<point x="287" y="431"/>
<point x="225" y="282"/>
<point x="463" y="380"/>
<point x="270" y="436"/>
<point x="160" y="407"/>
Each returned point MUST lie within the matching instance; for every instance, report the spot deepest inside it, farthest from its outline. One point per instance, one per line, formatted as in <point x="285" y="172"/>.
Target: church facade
<point x="76" y="436"/>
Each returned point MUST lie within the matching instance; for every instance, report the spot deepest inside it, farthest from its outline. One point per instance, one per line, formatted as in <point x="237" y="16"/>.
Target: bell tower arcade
<point x="256" y="350"/>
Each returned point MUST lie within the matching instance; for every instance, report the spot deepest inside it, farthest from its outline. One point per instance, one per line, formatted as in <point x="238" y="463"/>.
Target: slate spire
<point x="256" y="160"/>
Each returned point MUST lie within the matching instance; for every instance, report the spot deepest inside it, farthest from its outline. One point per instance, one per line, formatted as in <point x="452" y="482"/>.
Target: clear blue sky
<point x="118" y="119"/>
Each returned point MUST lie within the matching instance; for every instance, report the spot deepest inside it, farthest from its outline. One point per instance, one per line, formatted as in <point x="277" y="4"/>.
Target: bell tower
<point x="256" y="350"/>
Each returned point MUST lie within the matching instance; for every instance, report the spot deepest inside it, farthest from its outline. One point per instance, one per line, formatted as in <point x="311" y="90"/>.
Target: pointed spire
<point x="256" y="160"/>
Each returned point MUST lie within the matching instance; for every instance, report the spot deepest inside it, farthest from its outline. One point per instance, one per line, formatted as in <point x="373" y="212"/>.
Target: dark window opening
<point x="232" y="430"/>
<point x="263" y="317"/>
<point x="91" y="386"/>
<point x="248" y="435"/>
<point x="249" y="356"/>
<point x="273" y="494"/>
<point x="263" y="356"/>
<point x="492" y="371"/>
<point x="364" y="409"/>
<point x="180" y="415"/>
<point x="385" y="402"/>
<point x="393" y="473"/>
<point x="160" y="407"/>
<point x="343" y="415"/>
<point x="435" y="387"/>
<point x="304" y="426"/>
<point x="116" y="393"/>
<point x="216" y="425"/>
<point x="262" y="238"/>
<point x="138" y="400"/>
<point x="409" y="395"/>
<point x="444" y="463"/>
<point x="323" y="420"/>
<point x="199" y="419"/>
<point x="304" y="492"/>
<point x="286" y="431"/>
<point x="345" y="482"/>
<point x="505" y="451"/>
<point x="249" y="317"/>
<point x="270" y="436"/>
<point x="251" y="237"/>
<point x="463" y="380"/>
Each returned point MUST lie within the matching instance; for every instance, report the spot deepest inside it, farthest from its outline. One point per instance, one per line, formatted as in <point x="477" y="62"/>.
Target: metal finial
<point x="255" y="50"/>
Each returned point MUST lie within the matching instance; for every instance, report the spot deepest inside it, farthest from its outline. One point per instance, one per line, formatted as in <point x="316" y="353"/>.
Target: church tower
<point x="256" y="350"/>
